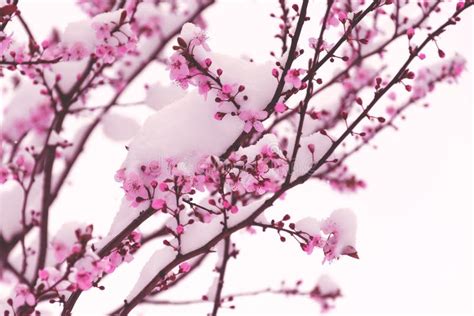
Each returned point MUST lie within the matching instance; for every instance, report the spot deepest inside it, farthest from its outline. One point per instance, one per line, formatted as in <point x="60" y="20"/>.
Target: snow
<point x="269" y="140"/>
<point x="80" y="31"/>
<point x="326" y="285"/>
<point x="243" y="213"/>
<point x="56" y="139"/>
<point x="168" y="24"/>
<point x="11" y="201"/>
<point x="257" y="79"/>
<point x="199" y="234"/>
<point x="185" y="130"/>
<point x="305" y="159"/>
<point x="308" y="225"/>
<point x="67" y="233"/>
<point x="124" y="216"/>
<point x="211" y="293"/>
<point x="83" y="31"/>
<point x="159" y="96"/>
<point x="157" y="262"/>
<point x="26" y="100"/>
<point x="345" y="223"/>
<point x="69" y="72"/>
<point x="78" y="134"/>
<point x="16" y="256"/>
<point x="119" y="127"/>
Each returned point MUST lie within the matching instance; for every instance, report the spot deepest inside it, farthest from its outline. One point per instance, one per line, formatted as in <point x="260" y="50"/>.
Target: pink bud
<point x="280" y="107"/>
<point x="342" y="16"/>
<point x="158" y="204"/>
<point x="163" y="187"/>
<point x="76" y="248"/>
<point x="184" y="267"/>
<point x="219" y="116"/>
<point x="45" y="44"/>
<point x="43" y="274"/>
<point x="227" y="88"/>
<point x="410" y="32"/>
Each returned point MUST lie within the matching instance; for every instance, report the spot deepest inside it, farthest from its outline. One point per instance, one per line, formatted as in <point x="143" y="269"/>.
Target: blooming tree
<point x="227" y="138"/>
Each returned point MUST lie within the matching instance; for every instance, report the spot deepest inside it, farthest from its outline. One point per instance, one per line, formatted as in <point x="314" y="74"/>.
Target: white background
<point x="415" y="220"/>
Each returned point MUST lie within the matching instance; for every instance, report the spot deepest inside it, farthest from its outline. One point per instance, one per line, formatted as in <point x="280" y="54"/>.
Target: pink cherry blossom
<point x="178" y="67"/>
<point x="253" y="119"/>
<point x="200" y="39"/>
<point x="342" y="16"/>
<point x="204" y="85"/>
<point x="315" y="241"/>
<point x="102" y="30"/>
<point x="84" y="280"/>
<point x="106" y="53"/>
<point x="78" y="51"/>
<point x="61" y="251"/>
<point x="292" y="78"/>
<point x="152" y="170"/>
<point x="134" y="188"/>
<point x="23" y="296"/>
<point x="43" y="274"/>
<point x="120" y="175"/>
<point x="158" y="204"/>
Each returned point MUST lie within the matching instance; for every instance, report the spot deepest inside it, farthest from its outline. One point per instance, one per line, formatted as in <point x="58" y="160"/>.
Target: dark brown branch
<point x="222" y="270"/>
<point x="230" y="297"/>
<point x="373" y="52"/>
<point x="281" y="82"/>
<point x="304" y="105"/>
<point x="31" y="62"/>
<point x="378" y="94"/>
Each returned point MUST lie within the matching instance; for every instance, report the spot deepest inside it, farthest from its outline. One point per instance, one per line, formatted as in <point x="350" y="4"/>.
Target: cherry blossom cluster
<point x="107" y="37"/>
<point x="192" y="64"/>
<point x="335" y="235"/>
<point x="75" y="267"/>
<point x="19" y="169"/>
<point x="242" y="174"/>
<point x="113" y="39"/>
<point x="185" y="69"/>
